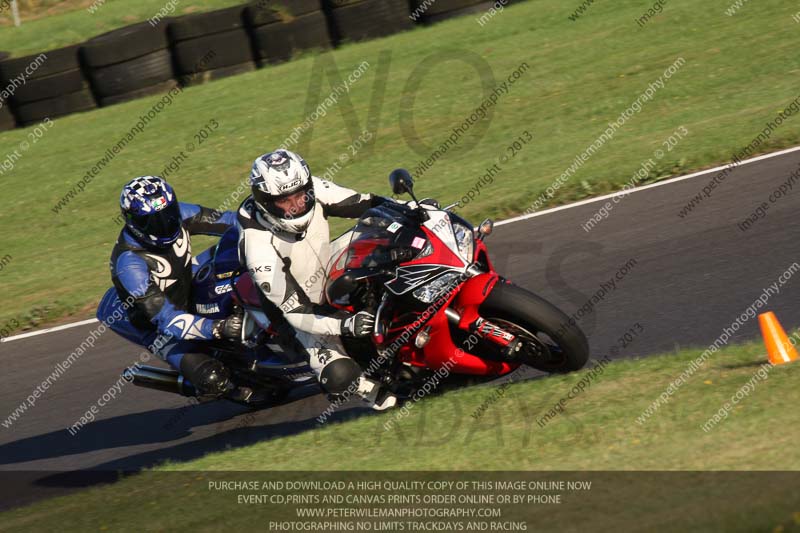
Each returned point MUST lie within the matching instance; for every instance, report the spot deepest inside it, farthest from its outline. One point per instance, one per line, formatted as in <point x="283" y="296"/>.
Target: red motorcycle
<point x="440" y="306"/>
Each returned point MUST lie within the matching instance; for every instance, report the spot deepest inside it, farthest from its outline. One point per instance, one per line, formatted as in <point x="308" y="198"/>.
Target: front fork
<point x="509" y="344"/>
<point x="464" y="313"/>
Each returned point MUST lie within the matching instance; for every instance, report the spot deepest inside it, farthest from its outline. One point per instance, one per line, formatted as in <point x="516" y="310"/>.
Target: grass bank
<point x="493" y="428"/>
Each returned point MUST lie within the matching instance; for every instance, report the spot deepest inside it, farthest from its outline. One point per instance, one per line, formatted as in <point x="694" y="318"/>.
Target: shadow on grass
<point x="750" y="364"/>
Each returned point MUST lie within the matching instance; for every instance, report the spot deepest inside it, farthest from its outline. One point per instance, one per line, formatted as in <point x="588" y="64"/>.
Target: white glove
<point x="360" y="324"/>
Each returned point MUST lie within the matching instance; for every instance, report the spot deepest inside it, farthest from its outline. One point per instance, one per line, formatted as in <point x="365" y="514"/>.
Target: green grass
<point x="596" y="431"/>
<point x="79" y="25"/>
<point x="739" y="72"/>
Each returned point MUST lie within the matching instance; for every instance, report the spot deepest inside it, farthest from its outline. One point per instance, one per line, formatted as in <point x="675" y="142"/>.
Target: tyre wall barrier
<point x="212" y="45"/>
<point x="359" y="20"/>
<point x="279" y="31"/>
<point x="154" y="56"/>
<point x="49" y="84"/>
<point x="128" y="63"/>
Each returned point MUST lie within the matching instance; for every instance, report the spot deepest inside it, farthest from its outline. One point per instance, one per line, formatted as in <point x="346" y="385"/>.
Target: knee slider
<point x="338" y="375"/>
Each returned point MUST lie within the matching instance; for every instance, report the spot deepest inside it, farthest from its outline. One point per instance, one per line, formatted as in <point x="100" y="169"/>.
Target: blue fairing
<point x="226" y="258"/>
<point x="213" y="281"/>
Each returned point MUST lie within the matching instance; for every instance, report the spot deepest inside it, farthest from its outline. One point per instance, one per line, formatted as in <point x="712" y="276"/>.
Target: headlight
<point x="465" y="239"/>
<point x="425" y="252"/>
<point x="435" y="288"/>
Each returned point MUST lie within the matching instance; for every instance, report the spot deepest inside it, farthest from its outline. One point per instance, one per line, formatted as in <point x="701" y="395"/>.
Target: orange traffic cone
<point x="779" y="349"/>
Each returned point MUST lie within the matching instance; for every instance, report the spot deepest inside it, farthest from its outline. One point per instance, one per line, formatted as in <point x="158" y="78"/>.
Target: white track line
<point x="49" y="330"/>
<point x="501" y="222"/>
<point x="644" y="187"/>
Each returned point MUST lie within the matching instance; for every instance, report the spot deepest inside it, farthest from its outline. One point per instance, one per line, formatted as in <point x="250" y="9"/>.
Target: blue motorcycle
<point x="256" y="362"/>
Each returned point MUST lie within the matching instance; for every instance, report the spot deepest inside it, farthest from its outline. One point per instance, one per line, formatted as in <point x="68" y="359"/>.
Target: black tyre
<point x="215" y="74"/>
<point x="271" y="11"/>
<point x="479" y="8"/>
<point x="54" y="107"/>
<point x="53" y="86"/>
<point x="145" y="71"/>
<point x="275" y="43"/>
<point x="552" y="344"/>
<point x="442" y="6"/>
<point x="7" y="120"/>
<point x="369" y="19"/>
<point x="58" y="60"/>
<point x="125" y="44"/>
<point x="159" y="88"/>
<point x="202" y="24"/>
<point x="212" y="52"/>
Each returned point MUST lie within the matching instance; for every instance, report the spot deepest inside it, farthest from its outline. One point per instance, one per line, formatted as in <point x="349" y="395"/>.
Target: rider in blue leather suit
<point x="152" y="268"/>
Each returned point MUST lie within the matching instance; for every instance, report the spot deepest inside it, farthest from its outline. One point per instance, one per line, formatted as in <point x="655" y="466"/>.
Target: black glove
<point x="360" y="324"/>
<point x="228" y="328"/>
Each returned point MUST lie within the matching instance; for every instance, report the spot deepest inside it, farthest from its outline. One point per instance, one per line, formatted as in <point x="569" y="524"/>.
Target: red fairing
<point x="441" y="352"/>
<point x="337" y="269"/>
<point x="482" y="253"/>
<point x="472" y="294"/>
<point x="442" y="255"/>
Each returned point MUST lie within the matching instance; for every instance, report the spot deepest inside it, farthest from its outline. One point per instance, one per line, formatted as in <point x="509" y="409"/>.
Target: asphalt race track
<point x="690" y="278"/>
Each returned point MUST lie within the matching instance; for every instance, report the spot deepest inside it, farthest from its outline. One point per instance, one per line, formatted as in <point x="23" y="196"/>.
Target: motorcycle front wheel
<point x="550" y="342"/>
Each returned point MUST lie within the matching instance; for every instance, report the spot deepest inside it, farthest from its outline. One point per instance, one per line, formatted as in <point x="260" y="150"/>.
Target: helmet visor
<point x="287" y="206"/>
<point x="163" y="225"/>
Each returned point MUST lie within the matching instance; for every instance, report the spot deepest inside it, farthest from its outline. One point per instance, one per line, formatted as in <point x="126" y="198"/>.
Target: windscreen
<point x="383" y="237"/>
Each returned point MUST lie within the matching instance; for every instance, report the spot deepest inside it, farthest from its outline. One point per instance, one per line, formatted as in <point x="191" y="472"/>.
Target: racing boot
<point x="373" y="393"/>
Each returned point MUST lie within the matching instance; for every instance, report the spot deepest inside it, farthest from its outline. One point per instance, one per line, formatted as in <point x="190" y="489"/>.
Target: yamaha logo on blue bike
<point x="207" y="309"/>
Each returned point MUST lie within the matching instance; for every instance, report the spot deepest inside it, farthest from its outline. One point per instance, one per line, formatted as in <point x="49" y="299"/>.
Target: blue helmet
<point x="151" y="211"/>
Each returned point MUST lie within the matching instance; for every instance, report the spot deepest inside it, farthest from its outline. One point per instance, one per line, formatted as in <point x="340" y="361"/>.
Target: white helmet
<point x="283" y="190"/>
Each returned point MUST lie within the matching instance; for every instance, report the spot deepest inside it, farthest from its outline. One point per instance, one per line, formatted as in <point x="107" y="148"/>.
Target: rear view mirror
<point x="401" y="182"/>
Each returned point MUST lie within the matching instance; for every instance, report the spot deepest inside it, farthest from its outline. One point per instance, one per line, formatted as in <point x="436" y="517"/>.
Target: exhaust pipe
<point x="161" y="379"/>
